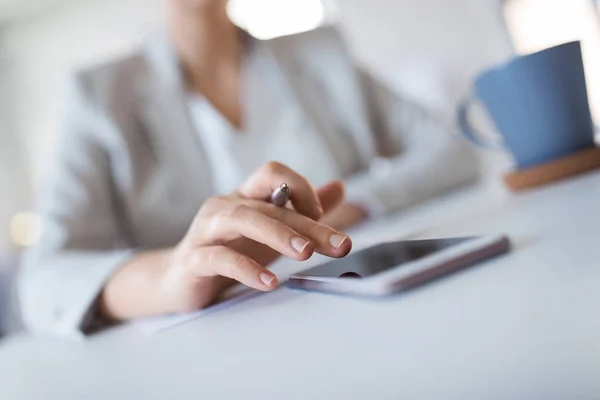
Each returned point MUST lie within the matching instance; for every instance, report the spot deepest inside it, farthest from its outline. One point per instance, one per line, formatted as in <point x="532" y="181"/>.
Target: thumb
<point x="331" y="195"/>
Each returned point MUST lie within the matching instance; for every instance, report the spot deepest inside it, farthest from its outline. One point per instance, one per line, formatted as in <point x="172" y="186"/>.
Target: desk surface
<point x="522" y="326"/>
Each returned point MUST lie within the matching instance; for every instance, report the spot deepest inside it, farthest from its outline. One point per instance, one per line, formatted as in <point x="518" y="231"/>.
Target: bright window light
<point x="25" y="229"/>
<point x="266" y="19"/>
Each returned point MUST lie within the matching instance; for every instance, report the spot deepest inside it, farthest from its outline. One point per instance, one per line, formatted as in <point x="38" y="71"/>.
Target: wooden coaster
<point x="565" y="167"/>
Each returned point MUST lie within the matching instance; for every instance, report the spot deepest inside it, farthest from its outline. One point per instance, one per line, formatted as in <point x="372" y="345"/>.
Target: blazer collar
<point x="165" y="98"/>
<point x="164" y="61"/>
<point x="165" y="112"/>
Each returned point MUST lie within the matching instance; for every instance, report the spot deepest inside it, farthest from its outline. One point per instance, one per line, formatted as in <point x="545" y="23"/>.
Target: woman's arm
<point x="78" y="249"/>
<point x="421" y="157"/>
<point x="77" y="272"/>
<point x="231" y="239"/>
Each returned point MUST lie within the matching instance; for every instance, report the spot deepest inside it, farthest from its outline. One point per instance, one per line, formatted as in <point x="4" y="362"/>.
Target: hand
<point x="236" y="237"/>
<point x="232" y="238"/>
<point x="345" y="216"/>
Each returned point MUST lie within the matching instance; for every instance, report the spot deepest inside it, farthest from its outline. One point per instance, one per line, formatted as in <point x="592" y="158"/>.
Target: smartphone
<point x="398" y="266"/>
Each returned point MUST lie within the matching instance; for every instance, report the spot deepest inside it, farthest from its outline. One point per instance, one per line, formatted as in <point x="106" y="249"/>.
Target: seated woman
<point x="147" y="209"/>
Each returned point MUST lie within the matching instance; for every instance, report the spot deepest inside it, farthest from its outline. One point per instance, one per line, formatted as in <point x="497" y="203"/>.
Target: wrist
<point x="135" y="289"/>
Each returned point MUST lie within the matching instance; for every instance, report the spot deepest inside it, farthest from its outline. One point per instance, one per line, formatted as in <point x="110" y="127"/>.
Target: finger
<point x="243" y="221"/>
<point x="331" y="195"/>
<point x="325" y="239"/>
<point x="269" y="177"/>
<point x="221" y="260"/>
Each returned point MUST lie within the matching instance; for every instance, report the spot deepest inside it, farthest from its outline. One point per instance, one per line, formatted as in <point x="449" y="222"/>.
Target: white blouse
<point x="284" y="133"/>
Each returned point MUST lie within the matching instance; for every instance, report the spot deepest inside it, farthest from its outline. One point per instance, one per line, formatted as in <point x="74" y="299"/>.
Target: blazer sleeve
<point x="420" y="158"/>
<point x="63" y="273"/>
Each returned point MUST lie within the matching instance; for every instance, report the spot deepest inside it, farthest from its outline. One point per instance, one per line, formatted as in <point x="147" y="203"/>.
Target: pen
<point x="281" y="195"/>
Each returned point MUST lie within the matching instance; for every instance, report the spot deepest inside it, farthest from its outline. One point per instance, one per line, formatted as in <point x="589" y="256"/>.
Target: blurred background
<point x="430" y="50"/>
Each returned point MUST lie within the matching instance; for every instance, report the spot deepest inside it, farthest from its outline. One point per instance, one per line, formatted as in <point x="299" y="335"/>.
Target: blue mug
<point x="539" y="104"/>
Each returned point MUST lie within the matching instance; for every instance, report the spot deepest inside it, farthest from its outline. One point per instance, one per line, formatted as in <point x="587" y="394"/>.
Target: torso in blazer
<point x="130" y="171"/>
<point x="158" y="164"/>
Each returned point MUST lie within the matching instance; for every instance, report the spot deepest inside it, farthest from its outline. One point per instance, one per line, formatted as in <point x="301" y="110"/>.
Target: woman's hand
<point x="232" y="238"/>
<point x="345" y="216"/>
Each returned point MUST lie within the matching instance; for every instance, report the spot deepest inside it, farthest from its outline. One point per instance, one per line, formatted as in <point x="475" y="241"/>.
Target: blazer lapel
<point x="294" y="59"/>
<point x="165" y="112"/>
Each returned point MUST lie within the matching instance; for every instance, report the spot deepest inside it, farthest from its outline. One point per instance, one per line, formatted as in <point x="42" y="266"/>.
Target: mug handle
<point x="468" y="131"/>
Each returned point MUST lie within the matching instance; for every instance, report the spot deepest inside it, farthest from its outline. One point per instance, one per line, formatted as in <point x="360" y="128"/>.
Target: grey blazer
<point x="130" y="172"/>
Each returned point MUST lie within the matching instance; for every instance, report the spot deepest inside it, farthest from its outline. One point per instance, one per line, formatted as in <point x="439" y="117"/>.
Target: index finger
<point x="269" y="177"/>
<point x="224" y="261"/>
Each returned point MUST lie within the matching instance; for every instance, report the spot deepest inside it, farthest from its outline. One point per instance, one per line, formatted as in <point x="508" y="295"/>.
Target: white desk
<point x="525" y="326"/>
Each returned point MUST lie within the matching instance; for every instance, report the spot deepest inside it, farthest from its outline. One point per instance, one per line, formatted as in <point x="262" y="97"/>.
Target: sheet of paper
<point x="153" y="325"/>
<point x="282" y="268"/>
<point x="237" y="294"/>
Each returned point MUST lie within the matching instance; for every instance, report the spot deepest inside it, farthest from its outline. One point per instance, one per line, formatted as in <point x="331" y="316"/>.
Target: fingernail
<point x="337" y="240"/>
<point x="267" y="279"/>
<point x="299" y="244"/>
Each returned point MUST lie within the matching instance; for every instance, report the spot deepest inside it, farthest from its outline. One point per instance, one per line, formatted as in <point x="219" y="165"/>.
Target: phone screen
<point x="374" y="260"/>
